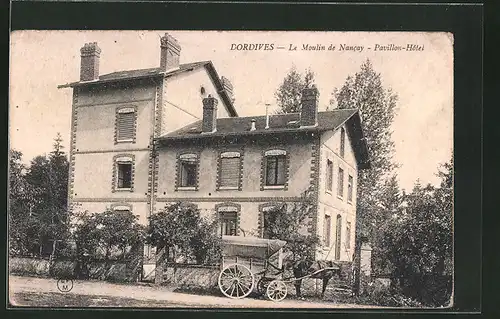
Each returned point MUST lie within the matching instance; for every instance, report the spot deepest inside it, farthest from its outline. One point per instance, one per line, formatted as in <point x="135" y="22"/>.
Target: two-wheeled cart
<point x="250" y="263"/>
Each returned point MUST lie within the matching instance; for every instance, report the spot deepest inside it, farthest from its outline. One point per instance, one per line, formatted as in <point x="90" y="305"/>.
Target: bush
<point x="28" y="266"/>
<point x="108" y="235"/>
<point x="181" y="229"/>
<point x="63" y="269"/>
<point x="383" y="296"/>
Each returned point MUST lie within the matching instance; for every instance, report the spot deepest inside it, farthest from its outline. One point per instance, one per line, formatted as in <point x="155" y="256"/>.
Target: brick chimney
<point x="170" y="52"/>
<point x="228" y="87"/>
<point x="89" y="68"/>
<point x="209" y="115"/>
<point x="309" y="109"/>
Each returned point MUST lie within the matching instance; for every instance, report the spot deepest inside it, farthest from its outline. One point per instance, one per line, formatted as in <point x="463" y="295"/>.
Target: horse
<point x="306" y="267"/>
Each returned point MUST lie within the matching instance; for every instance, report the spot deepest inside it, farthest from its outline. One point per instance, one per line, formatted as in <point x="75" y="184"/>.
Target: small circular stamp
<point x="65" y="285"/>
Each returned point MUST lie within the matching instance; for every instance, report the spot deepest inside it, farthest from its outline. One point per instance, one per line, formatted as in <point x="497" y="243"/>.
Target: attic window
<point x="202" y="91"/>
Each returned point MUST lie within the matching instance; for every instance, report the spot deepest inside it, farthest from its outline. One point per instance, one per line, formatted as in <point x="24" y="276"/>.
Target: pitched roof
<point x="129" y="75"/>
<point x="279" y="124"/>
<point x="137" y="74"/>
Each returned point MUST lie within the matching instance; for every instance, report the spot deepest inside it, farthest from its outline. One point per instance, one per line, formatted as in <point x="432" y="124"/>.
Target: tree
<point x="110" y="235"/>
<point x="390" y="207"/>
<point x="288" y="222"/>
<point x="289" y="93"/>
<point x="47" y="180"/>
<point x="418" y="240"/>
<point x="377" y="107"/>
<point x="20" y="221"/>
<point x="181" y="232"/>
<point x="180" y="228"/>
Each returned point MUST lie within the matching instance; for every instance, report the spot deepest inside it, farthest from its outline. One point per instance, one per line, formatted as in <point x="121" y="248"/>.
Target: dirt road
<point x="36" y="292"/>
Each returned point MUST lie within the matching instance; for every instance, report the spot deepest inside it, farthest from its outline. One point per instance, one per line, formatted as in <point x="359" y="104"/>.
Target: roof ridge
<point x="156" y="68"/>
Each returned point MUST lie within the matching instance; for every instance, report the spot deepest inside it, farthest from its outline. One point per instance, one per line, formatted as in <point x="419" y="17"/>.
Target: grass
<point x="62" y="300"/>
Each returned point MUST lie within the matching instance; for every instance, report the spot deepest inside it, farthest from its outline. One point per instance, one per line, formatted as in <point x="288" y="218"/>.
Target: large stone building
<point x="144" y="138"/>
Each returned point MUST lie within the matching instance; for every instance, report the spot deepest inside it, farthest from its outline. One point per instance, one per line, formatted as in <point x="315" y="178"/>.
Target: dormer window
<point x="126" y="122"/>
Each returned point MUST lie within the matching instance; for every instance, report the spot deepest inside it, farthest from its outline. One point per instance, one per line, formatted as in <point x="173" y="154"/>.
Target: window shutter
<point x="126" y="126"/>
<point x="230" y="172"/>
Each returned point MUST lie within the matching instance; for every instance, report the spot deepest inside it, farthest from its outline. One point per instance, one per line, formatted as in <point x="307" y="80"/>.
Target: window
<point x="121" y="208"/>
<point x="188" y="170"/>
<point x="329" y="175"/>
<point x="342" y="142"/>
<point x="228" y="221"/>
<point x="229" y="170"/>
<point x="123" y="173"/>
<point x="275" y="168"/>
<point x="340" y="188"/>
<point x="327" y="226"/>
<point x="228" y="218"/>
<point x="338" y="237"/>
<point x="349" y="188"/>
<point x="348" y="235"/>
<point x="269" y="212"/>
<point x="126" y="124"/>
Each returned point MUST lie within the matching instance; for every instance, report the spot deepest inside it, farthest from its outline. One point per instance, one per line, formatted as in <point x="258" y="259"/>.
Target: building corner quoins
<point x="153" y="161"/>
<point x="314" y="184"/>
<point x="72" y="148"/>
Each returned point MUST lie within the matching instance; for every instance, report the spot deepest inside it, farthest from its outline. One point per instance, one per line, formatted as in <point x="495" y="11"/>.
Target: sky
<point x="423" y="80"/>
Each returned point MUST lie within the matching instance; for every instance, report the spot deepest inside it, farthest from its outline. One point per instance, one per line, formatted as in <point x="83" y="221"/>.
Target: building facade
<point x="142" y="139"/>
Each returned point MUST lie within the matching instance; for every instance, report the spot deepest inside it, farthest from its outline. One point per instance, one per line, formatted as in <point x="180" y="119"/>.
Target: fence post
<point x="160" y="263"/>
<point x="51" y="257"/>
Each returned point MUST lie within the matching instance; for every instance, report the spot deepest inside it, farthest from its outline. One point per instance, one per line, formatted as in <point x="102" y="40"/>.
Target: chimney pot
<point x="89" y="67"/>
<point x="170" y="52"/>
<point x="309" y="109"/>
<point x="209" y="120"/>
<point x="252" y="127"/>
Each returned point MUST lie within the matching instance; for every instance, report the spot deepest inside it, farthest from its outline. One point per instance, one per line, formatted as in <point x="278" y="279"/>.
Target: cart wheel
<point x="276" y="290"/>
<point x="262" y="285"/>
<point x="236" y="281"/>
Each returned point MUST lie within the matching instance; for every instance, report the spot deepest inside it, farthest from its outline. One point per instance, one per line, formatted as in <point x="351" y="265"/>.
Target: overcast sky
<point x="423" y="80"/>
